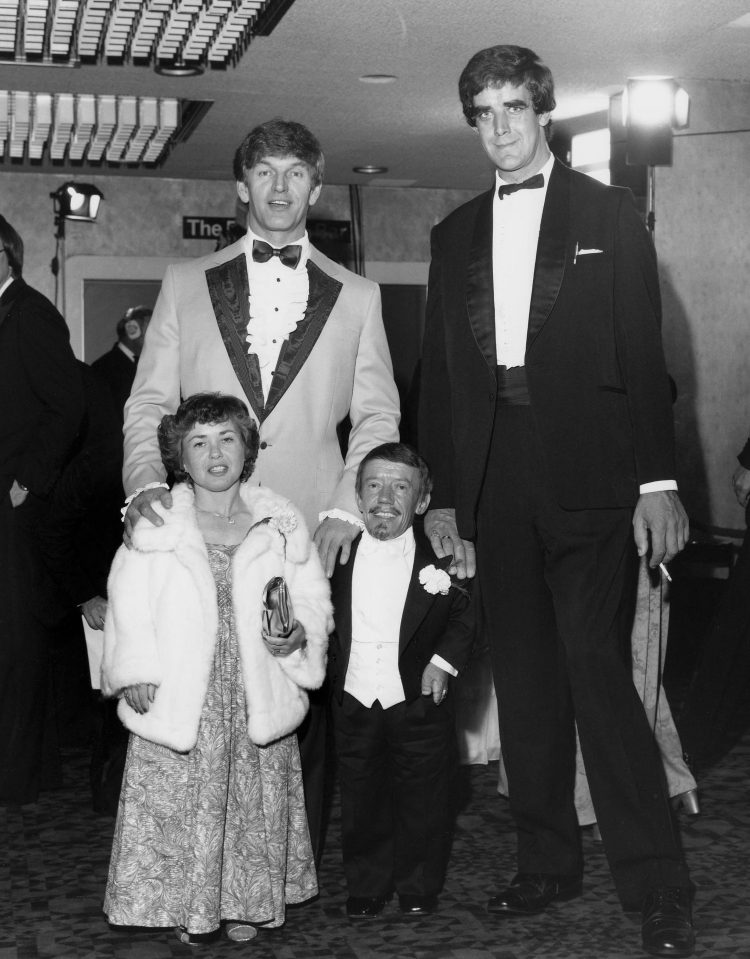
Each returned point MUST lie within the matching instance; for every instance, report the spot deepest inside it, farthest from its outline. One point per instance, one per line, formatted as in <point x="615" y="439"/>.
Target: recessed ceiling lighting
<point x="370" y="169"/>
<point x="178" y="68"/>
<point x="378" y="78"/>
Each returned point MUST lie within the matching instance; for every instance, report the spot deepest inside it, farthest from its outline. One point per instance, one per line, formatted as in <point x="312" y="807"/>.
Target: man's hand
<point x="94" y="611"/>
<point x="661" y="518"/>
<point x="435" y="683"/>
<point x="331" y="536"/>
<point x="140" y="696"/>
<point x="17" y="495"/>
<point x="141" y="506"/>
<point x="741" y="484"/>
<point x="442" y="532"/>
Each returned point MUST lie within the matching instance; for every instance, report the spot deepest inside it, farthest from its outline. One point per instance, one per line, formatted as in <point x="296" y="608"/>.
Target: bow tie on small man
<point x="533" y="183"/>
<point x="289" y="255"/>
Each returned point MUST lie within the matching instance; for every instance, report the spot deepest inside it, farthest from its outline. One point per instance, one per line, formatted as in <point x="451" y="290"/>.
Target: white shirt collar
<point x="398" y="546"/>
<point x="126" y="350"/>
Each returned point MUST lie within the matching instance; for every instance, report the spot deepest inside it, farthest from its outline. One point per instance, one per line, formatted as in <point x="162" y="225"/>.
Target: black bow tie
<point x="533" y="183"/>
<point x="289" y="255"/>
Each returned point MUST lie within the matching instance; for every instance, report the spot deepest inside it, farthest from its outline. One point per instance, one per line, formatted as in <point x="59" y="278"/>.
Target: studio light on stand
<point x="652" y="108"/>
<point x="71" y="201"/>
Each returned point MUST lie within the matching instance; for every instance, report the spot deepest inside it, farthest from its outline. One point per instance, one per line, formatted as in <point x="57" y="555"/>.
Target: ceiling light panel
<point x="87" y="127"/>
<point x="142" y="32"/>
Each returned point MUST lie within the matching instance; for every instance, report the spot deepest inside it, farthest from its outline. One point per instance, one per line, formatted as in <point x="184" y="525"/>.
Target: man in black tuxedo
<point x="117" y="367"/>
<point x="402" y="630"/>
<point x="545" y="413"/>
<point x="41" y="399"/>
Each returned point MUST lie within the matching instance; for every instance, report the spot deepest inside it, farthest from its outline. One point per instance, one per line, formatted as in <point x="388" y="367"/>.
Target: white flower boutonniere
<point x="435" y="580"/>
<point x="283" y="520"/>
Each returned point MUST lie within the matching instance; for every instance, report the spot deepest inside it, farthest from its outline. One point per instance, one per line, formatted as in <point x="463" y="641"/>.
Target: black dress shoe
<point x="417" y="905"/>
<point x="666" y="923"/>
<point x="364" y="907"/>
<point x="531" y="892"/>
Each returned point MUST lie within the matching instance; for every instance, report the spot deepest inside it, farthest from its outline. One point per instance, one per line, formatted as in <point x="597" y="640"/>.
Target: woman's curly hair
<point x="205" y="408"/>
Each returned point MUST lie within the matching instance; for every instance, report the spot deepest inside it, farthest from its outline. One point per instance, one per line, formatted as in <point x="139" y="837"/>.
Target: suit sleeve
<point x="156" y="392"/>
<point x="637" y="311"/>
<point x="456" y="643"/>
<point x="374" y="409"/>
<point x="435" y="414"/>
<point x="51" y="367"/>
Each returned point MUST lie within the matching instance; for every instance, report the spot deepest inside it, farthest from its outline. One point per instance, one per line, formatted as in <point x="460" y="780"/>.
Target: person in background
<point x="211" y="825"/>
<point x="545" y="414"/>
<point x="117" y="367"/>
<point x="41" y="398"/>
<point x="402" y="633"/>
<point x="271" y="319"/>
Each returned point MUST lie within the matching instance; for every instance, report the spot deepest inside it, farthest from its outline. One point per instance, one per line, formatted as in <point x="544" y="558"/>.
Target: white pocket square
<point x="581" y="251"/>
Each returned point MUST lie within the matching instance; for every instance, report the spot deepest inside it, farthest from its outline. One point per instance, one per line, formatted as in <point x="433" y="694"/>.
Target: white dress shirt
<point x="278" y="300"/>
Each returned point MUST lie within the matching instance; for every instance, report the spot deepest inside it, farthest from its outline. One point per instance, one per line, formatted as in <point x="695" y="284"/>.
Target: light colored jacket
<point x="162" y="620"/>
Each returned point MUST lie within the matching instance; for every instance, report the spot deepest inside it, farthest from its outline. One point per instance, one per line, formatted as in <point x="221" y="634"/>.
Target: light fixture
<point x="71" y="201"/>
<point x="90" y="128"/>
<point x="77" y="201"/>
<point x="198" y="33"/>
<point x="378" y="78"/>
<point x="369" y="169"/>
<point x="655" y="102"/>
<point x="652" y="107"/>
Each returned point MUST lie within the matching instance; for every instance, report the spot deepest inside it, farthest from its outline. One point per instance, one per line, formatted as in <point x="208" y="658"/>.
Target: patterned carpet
<point x="54" y="856"/>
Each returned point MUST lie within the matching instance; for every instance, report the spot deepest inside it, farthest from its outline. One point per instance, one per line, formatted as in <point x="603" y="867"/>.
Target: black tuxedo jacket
<point x="594" y="363"/>
<point x="430" y="624"/>
<point x="117" y="370"/>
<point x="41" y="396"/>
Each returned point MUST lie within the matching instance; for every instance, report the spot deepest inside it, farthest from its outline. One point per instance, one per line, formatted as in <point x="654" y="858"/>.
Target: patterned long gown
<point x="218" y="833"/>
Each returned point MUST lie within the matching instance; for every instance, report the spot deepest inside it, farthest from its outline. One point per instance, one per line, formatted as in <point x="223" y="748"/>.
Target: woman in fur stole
<point x="211" y="823"/>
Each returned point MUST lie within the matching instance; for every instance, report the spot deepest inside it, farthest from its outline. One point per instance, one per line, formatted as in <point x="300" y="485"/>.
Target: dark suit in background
<point x="397" y="766"/>
<point x="117" y="370"/>
<point x="42" y="402"/>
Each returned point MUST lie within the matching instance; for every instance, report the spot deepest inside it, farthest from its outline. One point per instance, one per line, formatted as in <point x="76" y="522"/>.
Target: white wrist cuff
<point x="341" y="514"/>
<point x="141" y="489"/>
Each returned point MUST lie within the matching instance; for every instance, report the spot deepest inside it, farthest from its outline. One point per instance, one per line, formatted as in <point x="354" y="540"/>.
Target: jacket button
<point x="263" y="445"/>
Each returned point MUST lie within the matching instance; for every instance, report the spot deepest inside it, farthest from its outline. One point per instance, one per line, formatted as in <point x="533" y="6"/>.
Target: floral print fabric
<point x="218" y="833"/>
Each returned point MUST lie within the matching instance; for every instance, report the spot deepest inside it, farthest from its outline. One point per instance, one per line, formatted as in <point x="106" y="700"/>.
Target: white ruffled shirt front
<point x="278" y="300"/>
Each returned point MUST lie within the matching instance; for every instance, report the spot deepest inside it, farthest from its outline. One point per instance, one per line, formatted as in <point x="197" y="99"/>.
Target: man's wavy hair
<point x="496" y="66"/>
<point x="279" y="138"/>
<point x="398" y="453"/>
<point x="205" y="408"/>
<point x="12" y="243"/>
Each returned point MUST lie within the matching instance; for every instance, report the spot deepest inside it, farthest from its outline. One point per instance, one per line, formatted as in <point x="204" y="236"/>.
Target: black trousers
<point x="396" y="773"/>
<point x="557" y="590"/>
<point x="29" y="755"/>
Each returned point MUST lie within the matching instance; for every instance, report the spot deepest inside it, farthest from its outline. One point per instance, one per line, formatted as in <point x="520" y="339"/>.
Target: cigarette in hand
<point x="664" y="570"/>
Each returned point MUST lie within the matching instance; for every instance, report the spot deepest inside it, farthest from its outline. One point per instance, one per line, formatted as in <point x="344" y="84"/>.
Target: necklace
<point x="210" y="512"/>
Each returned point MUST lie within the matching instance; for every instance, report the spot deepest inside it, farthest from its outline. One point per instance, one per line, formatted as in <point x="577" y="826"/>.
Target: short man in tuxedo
<point x="402" y="631"/>
<point x="545" y="413"/>
<point x="117" y="367"/>
<point x="42" y="405"/>
<point x="272" y="320"/>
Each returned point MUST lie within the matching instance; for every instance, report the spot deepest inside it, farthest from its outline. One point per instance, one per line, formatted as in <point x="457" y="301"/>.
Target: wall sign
<point x="205" y="227"/>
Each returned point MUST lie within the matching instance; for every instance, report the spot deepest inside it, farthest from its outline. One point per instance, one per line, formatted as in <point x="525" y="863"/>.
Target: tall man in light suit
<point x="272" y="320"/>
<point x="545" y="413"/>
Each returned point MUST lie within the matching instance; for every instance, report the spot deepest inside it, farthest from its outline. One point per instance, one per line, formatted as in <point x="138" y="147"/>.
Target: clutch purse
<point x="278" y="616"/>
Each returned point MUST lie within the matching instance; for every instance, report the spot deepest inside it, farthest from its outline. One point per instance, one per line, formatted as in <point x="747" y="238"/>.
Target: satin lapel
<point x="229" y="292"/>
<point x="324" y="291"/>
<point x="341" y="597"/>
<point x="480" y="298"/>
<point x="418" y="600"/>
<point x="551" y="250"/>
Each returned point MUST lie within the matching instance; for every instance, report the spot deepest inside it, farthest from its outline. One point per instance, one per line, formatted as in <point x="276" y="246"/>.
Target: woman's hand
<point x="140" y="696"/>
<point x="285" y="645"/>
